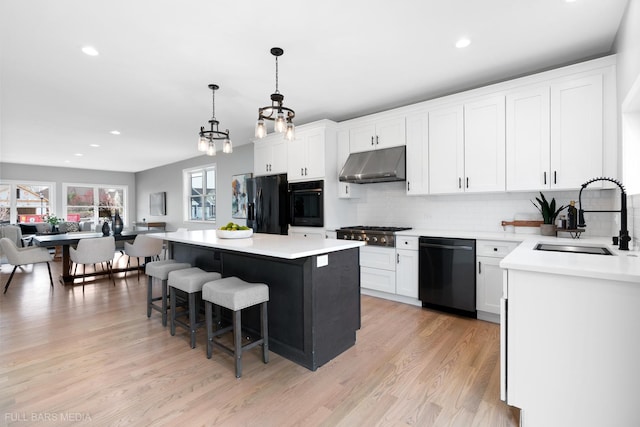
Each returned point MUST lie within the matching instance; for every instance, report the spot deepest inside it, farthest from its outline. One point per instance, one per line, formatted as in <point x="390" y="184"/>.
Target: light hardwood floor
<point x="95" y="359"/>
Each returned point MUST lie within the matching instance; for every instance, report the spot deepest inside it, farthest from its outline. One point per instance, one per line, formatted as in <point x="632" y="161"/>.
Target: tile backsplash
<point x="388" y="204"/>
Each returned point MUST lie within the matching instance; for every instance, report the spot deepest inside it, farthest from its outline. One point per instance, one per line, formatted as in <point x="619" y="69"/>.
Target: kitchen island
<point x="314" y="287"/>
<point x="570" y="334"/>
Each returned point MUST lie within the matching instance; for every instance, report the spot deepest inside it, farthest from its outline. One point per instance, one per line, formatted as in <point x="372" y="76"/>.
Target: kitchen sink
<point x="576" y="249"/>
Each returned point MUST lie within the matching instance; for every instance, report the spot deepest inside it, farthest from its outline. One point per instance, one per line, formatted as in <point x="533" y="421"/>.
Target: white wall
<point x="627" y="48"/>
<point x="168" y="178"/>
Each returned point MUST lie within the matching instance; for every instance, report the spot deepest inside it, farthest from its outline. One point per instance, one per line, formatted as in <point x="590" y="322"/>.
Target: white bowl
<point x="238" y="234"/>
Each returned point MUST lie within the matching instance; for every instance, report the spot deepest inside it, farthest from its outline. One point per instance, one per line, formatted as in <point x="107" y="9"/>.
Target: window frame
<point x="96" y="199"/>
<point x="13" y="208"/>
<point x="186" y="192"/>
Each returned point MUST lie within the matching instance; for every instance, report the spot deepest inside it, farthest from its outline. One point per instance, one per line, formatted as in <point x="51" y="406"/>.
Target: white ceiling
<point x="342" y="59"/>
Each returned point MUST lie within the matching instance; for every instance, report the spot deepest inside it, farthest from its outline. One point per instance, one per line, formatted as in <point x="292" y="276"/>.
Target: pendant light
<point x="279" y="114"/>
<point x="208" y="138"/>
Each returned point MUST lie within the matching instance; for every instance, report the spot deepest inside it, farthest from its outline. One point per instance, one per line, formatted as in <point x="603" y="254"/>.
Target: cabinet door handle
<point x="346" y="189"/>
<point x="398" y="258"/>
<point x="305" y="172"/>
<point x="376" y="139"/>
<point x="555" y="178"/>
<point x="408" y="186"/>
<point x="479" y="267"/>
<point x="301" y="171"/>
<point x="372" y="140"/>
<point x="545" y="177"/>
<point x="467" y="182"/>
<point x="459" y="182"/>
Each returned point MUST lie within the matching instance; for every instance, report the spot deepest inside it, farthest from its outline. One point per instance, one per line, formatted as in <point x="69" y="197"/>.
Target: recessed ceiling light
<point x="569" y="1"/>
<point x="94" y="145"/>
<point x="115" y="132"/>
<point x="90" y="50"/>
<point x="463" y="42"/>
<point x="78" y="154"/>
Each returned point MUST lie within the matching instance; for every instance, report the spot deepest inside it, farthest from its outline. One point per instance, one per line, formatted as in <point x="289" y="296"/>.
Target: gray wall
<point x="168" y="178"/>
<point x="30" y="173"/>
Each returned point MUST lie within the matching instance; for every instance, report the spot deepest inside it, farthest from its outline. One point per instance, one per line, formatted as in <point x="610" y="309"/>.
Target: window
<point x="87" y="202"/>
<point x="26" y="201"/>
<point x="200" y="193"/>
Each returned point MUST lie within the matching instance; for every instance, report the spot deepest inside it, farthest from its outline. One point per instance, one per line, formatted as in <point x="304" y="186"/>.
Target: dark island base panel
<point x="314" y="312"/>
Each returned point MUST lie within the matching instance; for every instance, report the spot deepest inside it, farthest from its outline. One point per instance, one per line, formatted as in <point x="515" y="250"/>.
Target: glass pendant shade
<point x="227" y="148"/>
<point x="290" y="133"/>
<point x="202" y="144"/>
<point x="261" y="129"/>
<point x="211" y="150"/>
<point x="279" y="125"/>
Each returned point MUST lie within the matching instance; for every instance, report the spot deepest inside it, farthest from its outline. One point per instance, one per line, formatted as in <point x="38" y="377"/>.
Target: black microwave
<point x="306" y="204"/>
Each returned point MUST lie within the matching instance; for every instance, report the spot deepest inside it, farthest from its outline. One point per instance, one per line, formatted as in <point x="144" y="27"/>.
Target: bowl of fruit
<point x="234" y="231"/>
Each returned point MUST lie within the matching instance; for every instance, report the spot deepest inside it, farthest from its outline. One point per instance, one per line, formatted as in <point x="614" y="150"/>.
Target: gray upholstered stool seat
<point x="160" y="270"/>
<point x="236" y="294"/>
<point x="189" y="281"/>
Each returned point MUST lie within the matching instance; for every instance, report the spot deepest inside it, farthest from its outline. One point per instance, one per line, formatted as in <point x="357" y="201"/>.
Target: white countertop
<point x="273" y="245"/>
<point x="621" y="266"/>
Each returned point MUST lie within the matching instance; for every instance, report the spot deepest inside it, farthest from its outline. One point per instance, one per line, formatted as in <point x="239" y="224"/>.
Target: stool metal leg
<point x="149" y="295"/>
<point x="237" y="341"/>
<point x="208" y="309"/>
<point x="193" y="314"/>
<point x="265" y="332"/>
<point x="172" y="295"/>
<point x="165" y="305"/>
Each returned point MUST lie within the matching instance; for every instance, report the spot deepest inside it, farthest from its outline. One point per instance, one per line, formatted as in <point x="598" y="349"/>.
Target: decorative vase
<point x="105" y="228"/>
<point x="118" y="225"/>
<point x="548" y="229"/>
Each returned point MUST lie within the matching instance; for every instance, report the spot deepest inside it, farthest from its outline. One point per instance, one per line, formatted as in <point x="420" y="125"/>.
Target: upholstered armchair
<point x="94" y="251"/>
<point x="142" y="247"/>
<point x="23" y="256"/>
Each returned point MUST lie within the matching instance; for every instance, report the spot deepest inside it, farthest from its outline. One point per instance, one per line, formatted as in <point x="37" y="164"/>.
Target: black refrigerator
<point x="268" y="204"/>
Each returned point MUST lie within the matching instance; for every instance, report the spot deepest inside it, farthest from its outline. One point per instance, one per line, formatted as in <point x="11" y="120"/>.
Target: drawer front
<point x="404" y="242"/>
<point x="491" y="248"/>
<point x="375" y="257"/>
<point x="378" y="280"/>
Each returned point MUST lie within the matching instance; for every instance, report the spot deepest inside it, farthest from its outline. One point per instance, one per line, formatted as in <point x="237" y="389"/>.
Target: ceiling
<point x="342" y="59"/>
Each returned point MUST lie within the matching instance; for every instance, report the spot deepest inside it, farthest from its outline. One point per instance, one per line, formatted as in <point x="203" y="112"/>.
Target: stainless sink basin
<point x="576" y="249"/>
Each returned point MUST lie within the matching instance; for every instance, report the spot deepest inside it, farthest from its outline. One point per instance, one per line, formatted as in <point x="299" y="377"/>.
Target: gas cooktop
<point x="372" y="235"/>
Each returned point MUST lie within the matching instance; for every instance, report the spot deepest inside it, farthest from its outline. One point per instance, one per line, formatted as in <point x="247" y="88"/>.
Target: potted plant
<point x="53" y="220"/>
<point x="549" y="214"/>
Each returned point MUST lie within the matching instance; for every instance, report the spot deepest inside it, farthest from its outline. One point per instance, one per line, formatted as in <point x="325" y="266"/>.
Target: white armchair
<point x="23" y="256"/>
<point x="142" y="247"/>
<point x="94" y="251"/>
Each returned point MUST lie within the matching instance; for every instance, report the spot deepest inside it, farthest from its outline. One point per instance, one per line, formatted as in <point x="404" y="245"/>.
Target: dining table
<point x="66" y="240"/>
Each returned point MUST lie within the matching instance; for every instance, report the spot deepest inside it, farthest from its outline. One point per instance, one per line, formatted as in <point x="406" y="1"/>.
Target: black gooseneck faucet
<point x="624" y="238"/>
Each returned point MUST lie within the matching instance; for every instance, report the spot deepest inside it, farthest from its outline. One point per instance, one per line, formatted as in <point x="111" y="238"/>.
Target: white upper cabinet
<point x="576" y="131"/>
<point x="484" y="145"/>
<point x="306" y="155"/>
<point x="382" y="133"/>
<point x="528" y="139"/>
<point x="417" y="154"/>
<point x="346" y="190"/>
<point x="270" y="155"/>
<point x="446" y="150"/>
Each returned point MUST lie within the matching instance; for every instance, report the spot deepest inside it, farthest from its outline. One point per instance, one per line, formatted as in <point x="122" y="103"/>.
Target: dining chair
<point x="144" y="247"/>
<point x="94" y="251"/>
<point x="23" y="256"/>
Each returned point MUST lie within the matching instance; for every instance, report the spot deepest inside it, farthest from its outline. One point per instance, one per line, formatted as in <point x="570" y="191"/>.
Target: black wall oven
<point x="306" y="204"/>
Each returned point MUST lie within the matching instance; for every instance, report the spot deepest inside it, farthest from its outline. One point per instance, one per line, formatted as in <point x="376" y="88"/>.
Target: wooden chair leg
<point x="50" y="278"/>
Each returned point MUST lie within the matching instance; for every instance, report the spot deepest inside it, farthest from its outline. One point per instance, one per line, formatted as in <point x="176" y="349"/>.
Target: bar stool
<point x="190" y="281"/>
<point x="160" y="270"/>
<point x="236" y="294"/>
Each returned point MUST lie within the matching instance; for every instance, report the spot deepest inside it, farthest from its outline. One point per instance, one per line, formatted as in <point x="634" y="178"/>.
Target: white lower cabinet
<point x="489" y="277"/>
<point x="378" y="269"/>
<point x="407" y="266"/>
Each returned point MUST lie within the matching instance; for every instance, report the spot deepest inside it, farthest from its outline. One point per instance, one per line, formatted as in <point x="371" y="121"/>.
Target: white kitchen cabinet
<point x="307" y="232"/>
<point x="417" y="154"/>
<point x="378" y="134"/>
<point x="346" y="190"/>
<point x="484" y="145"/>
<point x="378" y="269"/>
<point x="446" y="150"/>
<point x="528" y="139"/>
<point x="555" y="134"/>
<point x="489" y="277"/>
<point x="306" y="155"/>
<point x="407" y="266"/>
<point x="576" y="131"/>
<point x="270" y="155"/>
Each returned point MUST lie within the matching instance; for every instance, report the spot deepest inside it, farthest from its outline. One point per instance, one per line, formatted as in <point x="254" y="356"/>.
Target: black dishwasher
<point x="447" y="275"/>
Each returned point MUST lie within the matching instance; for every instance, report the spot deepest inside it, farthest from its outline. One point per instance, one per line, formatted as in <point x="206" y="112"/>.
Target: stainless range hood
<point x="375" y="166"/>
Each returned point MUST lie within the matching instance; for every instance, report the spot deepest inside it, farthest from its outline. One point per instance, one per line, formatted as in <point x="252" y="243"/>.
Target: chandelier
<point x="281" y="115"/>
<point x="208" y="138"/>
